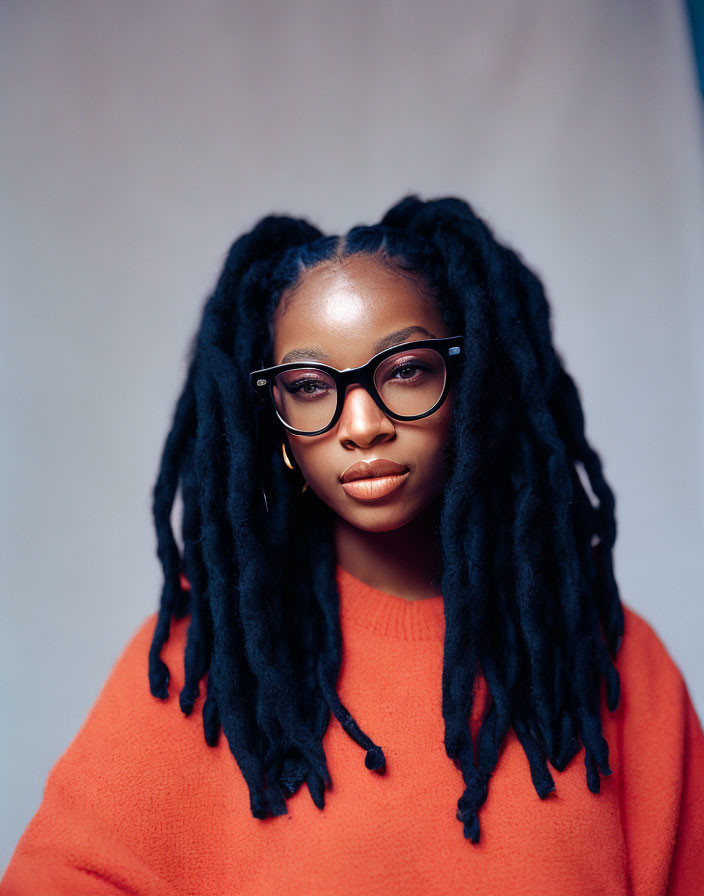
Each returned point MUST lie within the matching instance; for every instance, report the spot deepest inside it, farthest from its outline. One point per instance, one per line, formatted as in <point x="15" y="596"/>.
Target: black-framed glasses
<point x="407" y="382"/>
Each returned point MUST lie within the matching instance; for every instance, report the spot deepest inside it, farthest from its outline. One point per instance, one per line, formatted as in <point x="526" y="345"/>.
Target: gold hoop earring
<point x="290" y="465"/>
<point x="286" y="460"/>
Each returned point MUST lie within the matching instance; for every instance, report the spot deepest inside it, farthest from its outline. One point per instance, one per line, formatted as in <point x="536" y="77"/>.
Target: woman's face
<point x="340" y="313"/>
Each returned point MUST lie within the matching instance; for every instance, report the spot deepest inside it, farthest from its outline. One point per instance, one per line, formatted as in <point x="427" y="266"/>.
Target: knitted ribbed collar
<point x="387" y="614"/>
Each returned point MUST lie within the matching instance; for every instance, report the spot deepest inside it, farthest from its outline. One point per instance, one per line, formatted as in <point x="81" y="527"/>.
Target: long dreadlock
<point x="529" y="592"/>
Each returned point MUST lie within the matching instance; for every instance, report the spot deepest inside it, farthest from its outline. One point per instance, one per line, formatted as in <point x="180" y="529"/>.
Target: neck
<point x="404" y="561"/>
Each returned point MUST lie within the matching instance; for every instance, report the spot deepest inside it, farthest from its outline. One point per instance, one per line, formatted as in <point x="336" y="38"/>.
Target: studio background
<point x="140" y="138"/>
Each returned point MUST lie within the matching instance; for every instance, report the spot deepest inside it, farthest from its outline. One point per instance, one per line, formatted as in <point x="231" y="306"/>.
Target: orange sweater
<point x="140" y="804"/>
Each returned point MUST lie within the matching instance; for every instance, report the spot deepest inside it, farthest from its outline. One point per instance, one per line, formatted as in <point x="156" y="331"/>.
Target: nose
<point x="362" y="422"/>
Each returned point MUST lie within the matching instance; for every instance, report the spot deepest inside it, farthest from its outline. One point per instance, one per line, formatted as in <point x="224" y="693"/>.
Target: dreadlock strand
<point x="528" y="543"/>
<point x="561" y="390"/>
<point x="227" y="662"/>
<point x="199" y="637"/>
<point x="330" y="658"/>
<point x="173" y="598"/>
<point x="569" y="410"/>
<point x="536" y="755"/>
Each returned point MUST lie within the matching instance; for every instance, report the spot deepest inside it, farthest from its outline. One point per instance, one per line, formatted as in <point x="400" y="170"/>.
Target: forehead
<point x="340" y="314"/>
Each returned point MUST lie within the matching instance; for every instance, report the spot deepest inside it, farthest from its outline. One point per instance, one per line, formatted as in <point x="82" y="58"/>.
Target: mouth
<point x="378" y="468"/>
<point x="371" y="488"/>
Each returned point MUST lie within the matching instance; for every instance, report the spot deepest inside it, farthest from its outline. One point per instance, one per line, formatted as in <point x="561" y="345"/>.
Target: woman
<point x="394" y="535"/>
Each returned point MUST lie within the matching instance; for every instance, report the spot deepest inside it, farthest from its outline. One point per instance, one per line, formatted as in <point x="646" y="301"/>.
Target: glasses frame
<point x="451" y="348"/>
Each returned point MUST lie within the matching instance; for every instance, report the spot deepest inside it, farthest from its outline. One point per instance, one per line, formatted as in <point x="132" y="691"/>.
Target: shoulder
<point x="126" y="722"/>
<point x="655" y="705"/>
<point x="131" y="666"/>
<point x="643" y="657"/>
<point x="128" y="681"/>
<point x="640" y="636"/>
<point x="119" y="799"/>
<point x="656" y="744"/>
<point x="130" y="742"/>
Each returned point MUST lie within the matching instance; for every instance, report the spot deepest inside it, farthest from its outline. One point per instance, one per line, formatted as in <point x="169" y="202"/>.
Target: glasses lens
<point x="305" y="398"/>
<point x="409" y="383"/>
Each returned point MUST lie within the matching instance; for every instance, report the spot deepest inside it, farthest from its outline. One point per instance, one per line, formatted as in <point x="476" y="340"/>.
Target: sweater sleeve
<point x="86" y="837"/>
<point x="687" y="867"/>
<point x="661" y="746"/>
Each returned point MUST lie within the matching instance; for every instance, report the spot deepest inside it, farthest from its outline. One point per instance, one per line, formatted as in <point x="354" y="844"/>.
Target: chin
<point x="381" y="518"/>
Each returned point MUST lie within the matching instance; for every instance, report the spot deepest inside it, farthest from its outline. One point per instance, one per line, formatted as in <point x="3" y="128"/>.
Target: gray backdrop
<point x="140" y="138"/>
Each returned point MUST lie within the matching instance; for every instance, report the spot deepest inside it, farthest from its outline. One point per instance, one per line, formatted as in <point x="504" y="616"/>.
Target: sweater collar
<point x="388" y="614"/>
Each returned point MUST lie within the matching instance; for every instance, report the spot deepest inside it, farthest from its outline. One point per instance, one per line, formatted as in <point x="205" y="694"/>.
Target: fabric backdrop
<point x="140" y="138"/>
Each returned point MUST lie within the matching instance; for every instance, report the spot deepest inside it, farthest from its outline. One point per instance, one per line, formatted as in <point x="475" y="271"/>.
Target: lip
<point x="378" y="468"/>
<point x="374" y="487"/>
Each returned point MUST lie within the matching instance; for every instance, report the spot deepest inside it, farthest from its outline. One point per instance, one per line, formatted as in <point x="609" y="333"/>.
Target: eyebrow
<point x="313" y="353"/>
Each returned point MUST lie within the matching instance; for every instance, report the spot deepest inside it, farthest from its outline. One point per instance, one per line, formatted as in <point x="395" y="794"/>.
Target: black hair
<point x="527" y="578"/>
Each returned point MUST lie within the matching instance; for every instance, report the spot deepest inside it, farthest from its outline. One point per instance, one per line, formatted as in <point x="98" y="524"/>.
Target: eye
<point x="307" y="386"/>
<point x="406" y="370"/>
